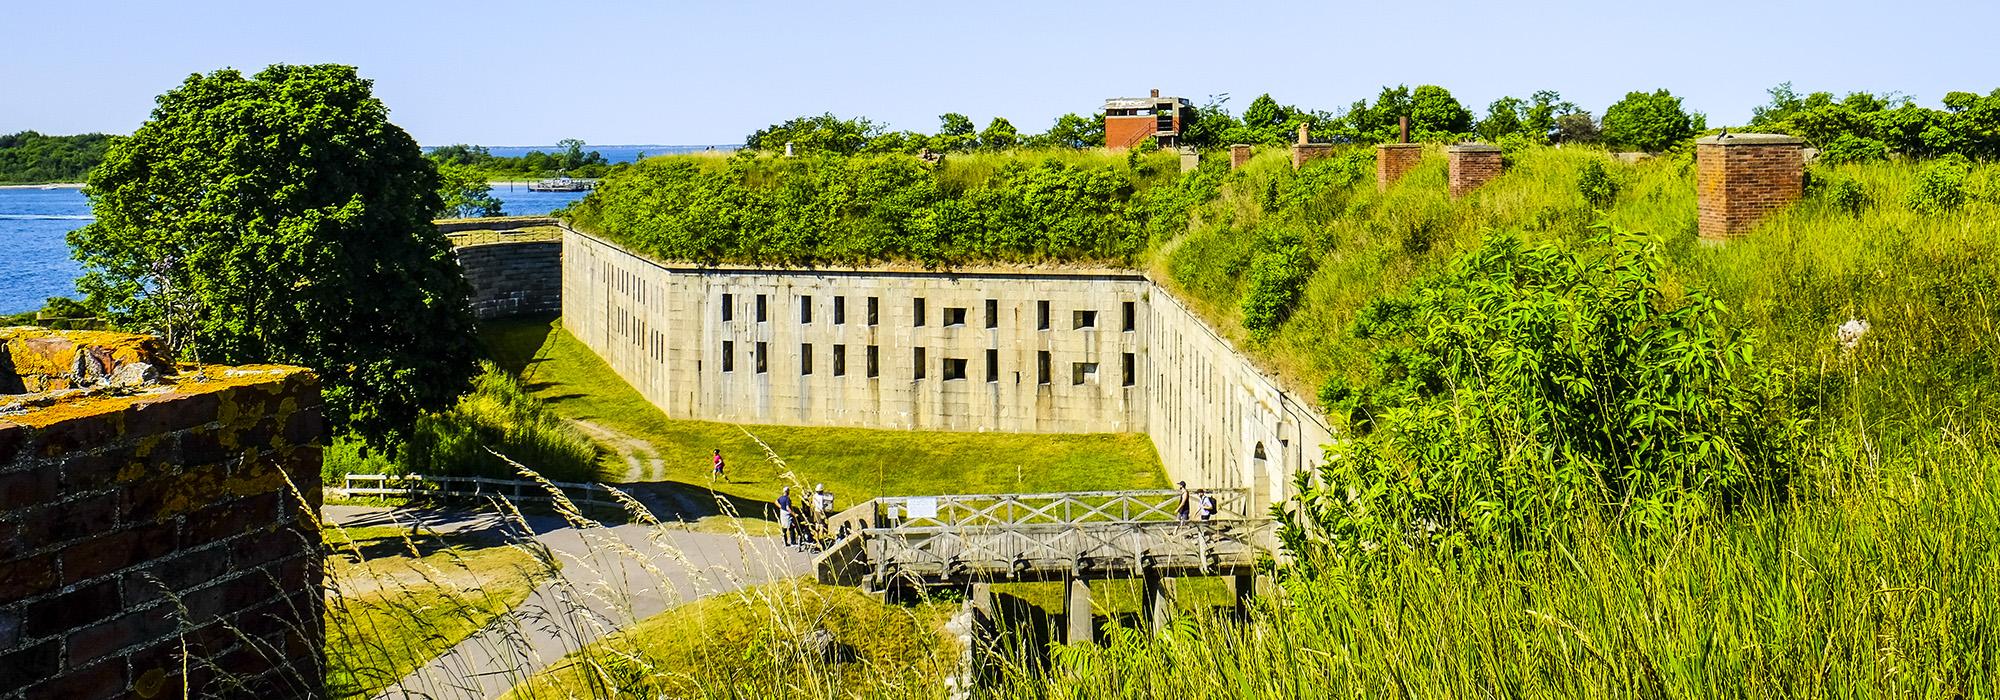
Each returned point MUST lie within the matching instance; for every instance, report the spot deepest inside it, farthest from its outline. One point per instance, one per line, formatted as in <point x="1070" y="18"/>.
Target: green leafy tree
<point x="1212" y="126"/>
<point x="1072" y="131"/>
<point x="1651" y="122"/>
<point x="1577" y="127"/>
<point x="1434" y="115"/>
<point x="1000" y="134"/>
<point x="823" y="133"/>
<point x="955" y="133"/>
<point x="1503" y="118"/>
<point x="283" y="218"/>
<point x="1539" y="117"/>
<point x="465" y="193"/>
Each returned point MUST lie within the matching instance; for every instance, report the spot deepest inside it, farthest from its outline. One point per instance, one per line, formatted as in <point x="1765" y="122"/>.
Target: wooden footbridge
<point x="900" y="545"/>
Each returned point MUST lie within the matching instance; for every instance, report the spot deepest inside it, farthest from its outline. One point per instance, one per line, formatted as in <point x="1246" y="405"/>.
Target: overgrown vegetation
<point x="570" y="159"/>
<point x="498" y="414"/>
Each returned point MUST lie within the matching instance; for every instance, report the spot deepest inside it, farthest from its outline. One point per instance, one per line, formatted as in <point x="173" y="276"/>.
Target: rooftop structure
<point x="1128" y="121"/>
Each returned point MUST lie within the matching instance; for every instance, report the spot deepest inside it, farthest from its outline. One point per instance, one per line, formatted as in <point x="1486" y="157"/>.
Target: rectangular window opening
<point x="1081" y="372"/>
<point x="1084" y="319"/>
<point x="1042" y="367"/>
<point x="874" y="361"/>
<point x="1131" y="370"/>
<point x="919" y="310"/>
<point x="954" y="316"/>
<point x="1131" y="316"/>
<point x="763" y="358"/>
<point x="992" y="365"/>
<point x="992" y="313"/>
<point x="805" y="358"/>
<point x="728" y="307"/>
<point x="918" y="371"/>
<point x="874" y="310"/>
<point x="1042" y="315"/>
<point x="839" y="310"/>
<point x="761" y="317"/>
<point x="954" y="369"/>
<point x="805" y="309"/>
<point x="728" y="356"/>
<point x="840" y="360"/>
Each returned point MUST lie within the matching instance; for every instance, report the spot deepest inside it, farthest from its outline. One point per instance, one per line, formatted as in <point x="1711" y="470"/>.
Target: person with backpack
<point x="1206" y="503"/>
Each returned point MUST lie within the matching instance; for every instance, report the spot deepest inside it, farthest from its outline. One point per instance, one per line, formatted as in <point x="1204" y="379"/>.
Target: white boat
<point x="559" y="184"/>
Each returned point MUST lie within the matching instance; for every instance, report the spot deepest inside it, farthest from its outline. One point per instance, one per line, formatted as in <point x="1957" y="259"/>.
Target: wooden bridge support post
<point x="1079" y="627"/>
<point x="1245" y="588"/>
<point x="1159" y="595"/>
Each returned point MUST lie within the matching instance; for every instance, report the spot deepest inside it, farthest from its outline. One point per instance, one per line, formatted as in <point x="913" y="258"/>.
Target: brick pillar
<point x="1743" y="178"/>
<point x="1239" y="155"/>
<point x="1393" y="160"/>
<point x="1472" y="164"/>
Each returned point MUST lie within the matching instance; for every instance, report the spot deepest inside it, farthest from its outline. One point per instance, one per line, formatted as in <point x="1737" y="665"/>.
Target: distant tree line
<point x="569" y="159"/>
<point x="1648" y="121"/>
<point x="29" y="158"/>
<point x="1864" y="126"/>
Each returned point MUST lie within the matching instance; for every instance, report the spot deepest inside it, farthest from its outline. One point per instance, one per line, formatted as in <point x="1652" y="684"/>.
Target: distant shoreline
<point x="48" y="186"/>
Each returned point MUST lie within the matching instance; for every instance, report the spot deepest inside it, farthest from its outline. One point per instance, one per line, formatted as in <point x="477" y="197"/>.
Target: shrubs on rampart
<point x="834" y="210"/>
<point x="1531" y="384"/>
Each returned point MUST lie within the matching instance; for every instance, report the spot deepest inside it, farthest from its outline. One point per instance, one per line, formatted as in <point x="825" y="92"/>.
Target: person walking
<point x="785" y="522"/>
<point x="716" y="473"/>
<point x="1206" y="503"/>
<point x="822" y="502"/>
<point x="1181" y="511"/>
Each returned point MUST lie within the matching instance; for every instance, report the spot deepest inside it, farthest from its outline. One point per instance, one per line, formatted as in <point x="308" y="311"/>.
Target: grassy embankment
<point x="1871" y="577"/>
<point x="856" y="464"/>
<point x="403" y="597"/>
<point x="786" y="639"/>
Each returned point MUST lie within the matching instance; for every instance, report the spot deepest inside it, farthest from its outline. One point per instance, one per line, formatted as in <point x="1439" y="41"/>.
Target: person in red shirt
<point x="717" y="473"/>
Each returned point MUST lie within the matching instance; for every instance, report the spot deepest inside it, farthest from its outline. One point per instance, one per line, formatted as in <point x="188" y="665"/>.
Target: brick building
<point x="1128" y="121"/>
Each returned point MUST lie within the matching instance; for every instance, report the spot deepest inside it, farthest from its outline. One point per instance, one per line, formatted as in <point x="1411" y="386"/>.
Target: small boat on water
<point x="560" y="184"/>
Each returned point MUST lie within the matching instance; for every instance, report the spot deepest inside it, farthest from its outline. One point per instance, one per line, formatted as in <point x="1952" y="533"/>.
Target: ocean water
<point x="35" y="263"/>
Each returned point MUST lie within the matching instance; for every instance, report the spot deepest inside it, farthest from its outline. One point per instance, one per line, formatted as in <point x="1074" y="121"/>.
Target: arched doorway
<point x="1260" y="480"/>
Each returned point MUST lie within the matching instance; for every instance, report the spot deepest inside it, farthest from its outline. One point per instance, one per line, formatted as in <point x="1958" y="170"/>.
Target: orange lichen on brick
<point x="45" y="359"/>
<point x="209" y="380"/>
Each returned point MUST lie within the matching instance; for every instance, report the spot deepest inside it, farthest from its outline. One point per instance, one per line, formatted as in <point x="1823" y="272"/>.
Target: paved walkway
<point x="611" y="578"/>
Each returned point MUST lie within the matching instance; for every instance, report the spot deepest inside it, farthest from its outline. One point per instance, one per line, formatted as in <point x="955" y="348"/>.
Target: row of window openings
<point x="953" y="368"/>
<point x="953" y="315"/>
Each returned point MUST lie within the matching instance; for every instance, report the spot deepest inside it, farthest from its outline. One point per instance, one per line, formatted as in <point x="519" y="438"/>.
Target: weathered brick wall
<point x="1472" y="165"/>
<point x="1129" y="131"/>
<point x="1304" y="153"/>
<point x="1743" y="178"/>
<point x="512" y="279"/>
<point x="1239" y="155"/>
<point x="1393" y="160"/>
<point x="133" y="527"/>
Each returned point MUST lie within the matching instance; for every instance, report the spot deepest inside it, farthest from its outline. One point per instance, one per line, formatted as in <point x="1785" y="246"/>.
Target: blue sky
<point x="676" y="71"/>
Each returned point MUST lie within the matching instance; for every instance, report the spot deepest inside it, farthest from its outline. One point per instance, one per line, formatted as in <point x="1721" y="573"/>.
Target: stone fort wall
<point x="1052" y="351"/>
<point x="513" y="278"/>
<point x="156" y="538"/>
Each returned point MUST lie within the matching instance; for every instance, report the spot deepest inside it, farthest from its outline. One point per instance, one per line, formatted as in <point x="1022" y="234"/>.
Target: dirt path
<point x="642" y="462"/>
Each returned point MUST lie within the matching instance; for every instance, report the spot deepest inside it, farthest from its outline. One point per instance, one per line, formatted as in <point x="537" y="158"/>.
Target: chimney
<point x="1239" y="155"/>
<point x="1156" y="93"/>
<point x="1742" y="178"/>
<point x="1403" y="123"/>
<point x="1472" y="165"/>
<point x="1305" y="133"/>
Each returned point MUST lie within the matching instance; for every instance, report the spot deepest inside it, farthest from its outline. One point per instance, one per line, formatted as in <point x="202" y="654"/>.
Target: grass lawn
<point x="405" y="598"/>
<point x="856" y="464"/>
<point x="786" y="639"/>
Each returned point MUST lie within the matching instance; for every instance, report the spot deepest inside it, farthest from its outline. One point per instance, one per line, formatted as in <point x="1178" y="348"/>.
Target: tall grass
<point x="498" y="412"/>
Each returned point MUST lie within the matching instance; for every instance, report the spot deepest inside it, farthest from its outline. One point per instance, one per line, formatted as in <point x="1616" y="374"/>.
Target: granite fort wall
<point x="1009" y="350"/>
<point x="513" y="278"/>
<point x="156" y="541"/>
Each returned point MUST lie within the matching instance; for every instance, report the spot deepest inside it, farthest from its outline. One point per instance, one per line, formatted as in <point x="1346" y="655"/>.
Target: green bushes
<point x="1596" y="185"/>
<point x="832" y="209"/>
<point x="1277" y="276"/>
<point x="498" y="413"/>
<point x="1941" y="187"/>
<point x="1530" y="385"/>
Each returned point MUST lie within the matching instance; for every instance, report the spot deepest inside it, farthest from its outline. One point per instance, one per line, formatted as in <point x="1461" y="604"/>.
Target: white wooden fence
<point x="423" y="486"/>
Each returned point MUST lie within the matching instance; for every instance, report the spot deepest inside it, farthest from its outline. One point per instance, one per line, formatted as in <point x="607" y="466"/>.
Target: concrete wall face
<point x="511" y="279"/>
<point x="665" y="330"/>
<point x="1741" y="179"/>
<point x="144" y="537"/>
